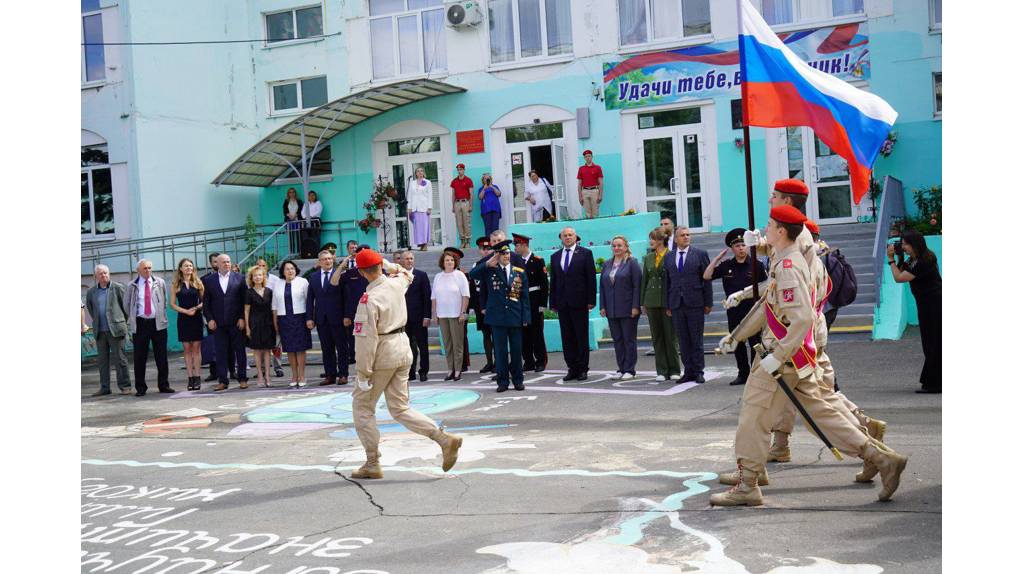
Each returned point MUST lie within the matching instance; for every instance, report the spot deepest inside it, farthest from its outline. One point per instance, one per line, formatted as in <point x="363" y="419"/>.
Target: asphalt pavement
<point x="579" y="477"/>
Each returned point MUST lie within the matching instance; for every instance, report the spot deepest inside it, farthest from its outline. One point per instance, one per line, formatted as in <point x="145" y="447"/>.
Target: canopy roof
<point x="273" y="155"/>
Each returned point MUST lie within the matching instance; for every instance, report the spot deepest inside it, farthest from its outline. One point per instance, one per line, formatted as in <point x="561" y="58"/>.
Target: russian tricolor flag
<point x="781" y="90"/>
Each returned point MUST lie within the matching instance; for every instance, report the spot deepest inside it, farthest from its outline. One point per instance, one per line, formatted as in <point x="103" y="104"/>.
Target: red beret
<point x="587" y="152"/>
<point x="812" y="226"/>
<point x="794" y="186"/>
<point x="367" y="258"/>
<point x="461" y="166"/>
<point x="787" y="214"/>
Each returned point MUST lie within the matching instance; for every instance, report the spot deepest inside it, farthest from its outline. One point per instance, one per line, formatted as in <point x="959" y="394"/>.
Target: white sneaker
<point x="302" y="383"/>
<point x="617" y="375"/>
<point x="626" y="376"/>
<point x="660" y="378"/>
<point x="293" y="384"/>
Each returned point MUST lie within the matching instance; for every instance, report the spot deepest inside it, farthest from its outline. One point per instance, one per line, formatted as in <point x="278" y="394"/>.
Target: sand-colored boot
<point x="780" y="448"/>
<point x="745" y="493"/>
<point x="876" y="429"/>
<point x="889" y="464"/>
<point x="371" y="469"/>
<point x="450" y="444"/>
<point x="733" y="478"/>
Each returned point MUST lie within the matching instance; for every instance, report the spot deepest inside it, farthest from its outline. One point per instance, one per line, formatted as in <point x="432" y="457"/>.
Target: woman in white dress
<point x="419" y="197"/>
<point x="538" y="196"/>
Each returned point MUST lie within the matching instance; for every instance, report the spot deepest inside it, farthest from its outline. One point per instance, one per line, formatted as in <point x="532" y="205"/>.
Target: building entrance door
<point x="402" y="170"/>
<point x="830" y="198"/>
<point x="548" y="158"/>
<point x="673" y="173"/>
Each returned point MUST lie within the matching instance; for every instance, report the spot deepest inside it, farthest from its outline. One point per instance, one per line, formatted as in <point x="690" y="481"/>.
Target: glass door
<point x="402" y="171"/>
<point x="673" y="167"/>
<point x="691" y="189"/>
<point x="660" y="174"/>
<point x="518" y="159"/>
<point x="560" y="201"/>
<point x="825" y="173"/>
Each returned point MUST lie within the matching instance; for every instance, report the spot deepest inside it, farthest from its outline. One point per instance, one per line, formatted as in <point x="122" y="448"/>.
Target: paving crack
<point x="715" y="412"/>
<point x="380" y="509"/>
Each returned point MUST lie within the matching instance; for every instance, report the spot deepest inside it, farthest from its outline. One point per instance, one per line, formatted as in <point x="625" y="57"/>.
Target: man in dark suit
<point x="209" y="347"/>
<point x="508" y="311"/>
<point x="417" y="306"/>
<point x="323" y="309"/>
<point x="535" y="352"/>
<point x="353" y="286"/>
<point x="573" y="295"/>
<point x="689" y="300"/>
<point x="478" y="303"/>
<point x="223" y="307"/>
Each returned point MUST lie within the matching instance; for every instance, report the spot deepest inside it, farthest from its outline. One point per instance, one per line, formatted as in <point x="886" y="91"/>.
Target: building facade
<point x="542" y="79"/>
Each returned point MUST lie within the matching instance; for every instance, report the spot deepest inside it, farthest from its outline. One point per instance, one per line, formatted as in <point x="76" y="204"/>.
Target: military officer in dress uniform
<point x="508" y="311"/>
<point x="478" y="303"/>
<point x="383" y="359"/>
<point x="784" y="317"/>
<point x="535" y="352"/>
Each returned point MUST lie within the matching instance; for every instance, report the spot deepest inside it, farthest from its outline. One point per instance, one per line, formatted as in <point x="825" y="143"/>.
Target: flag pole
<point x="746" y="158"/>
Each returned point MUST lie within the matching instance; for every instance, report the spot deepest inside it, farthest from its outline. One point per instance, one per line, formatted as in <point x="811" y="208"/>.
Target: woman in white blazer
<point x="419" y="196"/>
<point x="289" y="310"/>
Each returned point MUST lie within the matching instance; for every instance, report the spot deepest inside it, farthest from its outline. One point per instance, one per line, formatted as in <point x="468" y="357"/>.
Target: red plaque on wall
<point x="471" y="141"/>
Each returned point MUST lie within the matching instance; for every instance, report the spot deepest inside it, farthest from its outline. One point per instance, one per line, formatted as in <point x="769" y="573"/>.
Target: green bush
<point x="928" y="202"/>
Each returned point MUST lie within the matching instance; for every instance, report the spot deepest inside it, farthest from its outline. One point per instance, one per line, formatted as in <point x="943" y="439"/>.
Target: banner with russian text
<point x="712" y="70"/>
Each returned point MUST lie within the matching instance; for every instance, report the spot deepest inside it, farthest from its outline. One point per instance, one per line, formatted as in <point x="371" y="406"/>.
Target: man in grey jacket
<point x="108" y="307"/>
<point x="147" y="322"/>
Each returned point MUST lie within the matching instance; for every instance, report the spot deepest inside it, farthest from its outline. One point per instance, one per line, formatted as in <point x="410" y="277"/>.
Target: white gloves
<point x="727" y="344"/>
<point x="751" y="238"/>
<point x="770" y="364"/>
<point x="363" y="385"/>
<point x="733" y="300"/>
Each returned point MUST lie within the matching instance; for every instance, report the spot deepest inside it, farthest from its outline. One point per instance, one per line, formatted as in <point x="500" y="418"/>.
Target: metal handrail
<point x="259" y="248"/>
<point x="892" y="205"/>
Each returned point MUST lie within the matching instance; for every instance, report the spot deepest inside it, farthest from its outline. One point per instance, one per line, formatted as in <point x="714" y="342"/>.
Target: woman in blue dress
<point x="187" y="300"/>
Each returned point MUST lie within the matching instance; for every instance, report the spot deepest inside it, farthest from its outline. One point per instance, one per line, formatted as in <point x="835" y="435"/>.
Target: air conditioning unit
<point x="463" y="13"/>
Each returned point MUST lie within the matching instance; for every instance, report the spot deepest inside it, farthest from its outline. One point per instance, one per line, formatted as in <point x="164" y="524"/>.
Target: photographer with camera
<point x="490" y="204"/>
<point x="918" y="266"/>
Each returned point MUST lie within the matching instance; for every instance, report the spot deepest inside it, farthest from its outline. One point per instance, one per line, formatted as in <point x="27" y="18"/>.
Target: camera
<point x="898" y="248"/>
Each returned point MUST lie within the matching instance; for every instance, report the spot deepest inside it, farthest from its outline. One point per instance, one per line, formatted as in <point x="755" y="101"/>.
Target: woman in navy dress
<point x="187" y="300"/>
<point x="290" y="320"/>
<point x="259" y="322"/>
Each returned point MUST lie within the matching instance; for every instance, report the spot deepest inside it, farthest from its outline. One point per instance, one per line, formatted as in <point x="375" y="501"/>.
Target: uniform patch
<point x="357" y="327"/>
<point x="787" y="263"/>
<point x="787" y="296"/>
<point x="366" y="296"/>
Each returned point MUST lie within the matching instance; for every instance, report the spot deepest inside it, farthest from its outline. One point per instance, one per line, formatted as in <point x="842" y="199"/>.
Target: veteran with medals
<point x="507" y="312"/>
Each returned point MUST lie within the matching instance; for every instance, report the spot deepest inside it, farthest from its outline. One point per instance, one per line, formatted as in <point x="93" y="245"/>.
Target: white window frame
<point x="395" y="52"/>
<point x="519" y="60"/>
<point x="274" y="112"/>
<point x="933" y="26"/>
<point x="936" y="113"/>
<point x="675" y="41"/>
<point x="815" y="14"/>
<point x="92" y="83"/>
<point x="92" y="199"/>
<point x="295" y="26"/>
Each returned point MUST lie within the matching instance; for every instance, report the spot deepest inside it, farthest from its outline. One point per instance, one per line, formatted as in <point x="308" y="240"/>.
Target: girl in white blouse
<point x="419" y="198"/>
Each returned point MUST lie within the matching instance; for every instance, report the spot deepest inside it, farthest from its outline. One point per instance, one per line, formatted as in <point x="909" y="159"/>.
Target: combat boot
<point x="371" y="469"/>
<point x="450" y="444"/>
<point x="888" y="463"/>
<point x="733" y="478"/>
<point x="876" y="429"/>
<point x="744" y="493"/>
<point x="780" y="448"/>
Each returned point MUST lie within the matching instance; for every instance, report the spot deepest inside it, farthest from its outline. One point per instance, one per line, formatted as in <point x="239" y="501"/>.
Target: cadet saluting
<point x="383" y="359"/>
<point x="508" y="311"/>
<point x="784" y="317"/>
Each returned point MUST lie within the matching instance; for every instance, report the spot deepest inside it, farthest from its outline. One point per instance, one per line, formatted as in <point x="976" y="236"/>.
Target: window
<point x="287" y="96"/>
<point x="320" y="166"/>
<point x="937" y="91"/>
<point x="642" y="21"/>
<point x="935" y="14"/>
<point x="736" y="108"/>
<point x="295" y="24"/>
<point x="785" y="12"/>
<point x="97" y="192"/>
<point x="414" y="146"/>
<point x="666" y="118"/>
<point x="533" y="132"/>
<point x="93" y="61"/>
<point x="407" y="37"/>
<point x="525" y="29"/>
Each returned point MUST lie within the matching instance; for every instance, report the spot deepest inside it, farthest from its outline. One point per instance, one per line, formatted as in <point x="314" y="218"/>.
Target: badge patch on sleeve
<point x="357" y="328"/>
<point x="787" y="296"/>
<point x="366" y="296"/>
<point x="787" y="263"/>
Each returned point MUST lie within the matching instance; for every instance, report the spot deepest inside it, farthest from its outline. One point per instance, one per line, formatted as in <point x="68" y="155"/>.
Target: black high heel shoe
<point x="450" y="376"/>
<point x="458" y="377"/>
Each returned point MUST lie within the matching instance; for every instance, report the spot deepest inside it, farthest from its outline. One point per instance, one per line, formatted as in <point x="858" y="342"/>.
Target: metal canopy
<point x="294" y="144"/>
